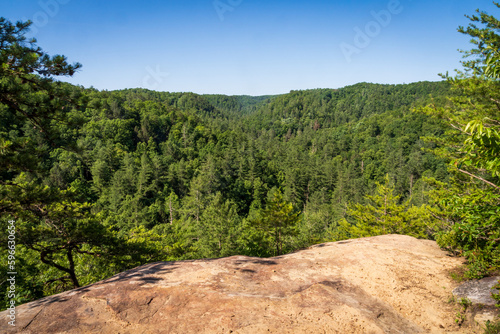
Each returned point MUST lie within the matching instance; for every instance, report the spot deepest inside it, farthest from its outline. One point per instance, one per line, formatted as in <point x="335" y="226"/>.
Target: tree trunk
<point x="71" y="272"/>
<point x="171" y="212"/>
<point x="411" y="184"/>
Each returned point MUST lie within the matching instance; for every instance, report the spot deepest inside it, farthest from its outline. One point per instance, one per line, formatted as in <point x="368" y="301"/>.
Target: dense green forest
<point x="98" y="182"/>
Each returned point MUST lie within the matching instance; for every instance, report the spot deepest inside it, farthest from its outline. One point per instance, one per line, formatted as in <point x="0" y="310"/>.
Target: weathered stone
<point x="484" y="316"/>
<point x="478" y="291"/>
<point x="385" y="284"/>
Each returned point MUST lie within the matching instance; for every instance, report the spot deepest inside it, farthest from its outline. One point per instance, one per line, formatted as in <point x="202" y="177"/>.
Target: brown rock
<point x="385" y="284"/>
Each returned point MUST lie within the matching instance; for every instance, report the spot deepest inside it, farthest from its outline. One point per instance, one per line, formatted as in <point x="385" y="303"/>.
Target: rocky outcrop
<point x="478" y="294"/>
<point x="478" y="291"/>
<point x="385" y="284"/>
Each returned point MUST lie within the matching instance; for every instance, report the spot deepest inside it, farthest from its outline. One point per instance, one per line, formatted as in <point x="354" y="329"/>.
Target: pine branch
<point x="479" y="178"/>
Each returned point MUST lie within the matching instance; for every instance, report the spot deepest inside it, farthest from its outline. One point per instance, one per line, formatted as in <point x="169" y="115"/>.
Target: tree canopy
<point x="469" y="205"/>
<point x="102" y="181"/>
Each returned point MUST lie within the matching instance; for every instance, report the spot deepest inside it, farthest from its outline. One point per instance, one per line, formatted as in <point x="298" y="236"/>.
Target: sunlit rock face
<point x="384" y="284"/>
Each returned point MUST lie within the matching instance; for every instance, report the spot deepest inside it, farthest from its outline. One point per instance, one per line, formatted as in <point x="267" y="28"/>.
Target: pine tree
<point x="279" y="221"/>
<point x="29" y="95"/>
<point x="384" y="214"/>
<point x="37" y="116"/>
<point x="469" y="205"/>
<point x="217" y="228"/>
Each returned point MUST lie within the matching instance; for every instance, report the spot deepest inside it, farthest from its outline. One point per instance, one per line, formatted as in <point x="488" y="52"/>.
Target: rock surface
<point x="385" y="284"/>
<point x="478" y="291"/>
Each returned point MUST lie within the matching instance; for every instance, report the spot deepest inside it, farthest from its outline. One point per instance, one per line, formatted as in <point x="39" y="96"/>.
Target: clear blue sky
<point x="252" y="47"/>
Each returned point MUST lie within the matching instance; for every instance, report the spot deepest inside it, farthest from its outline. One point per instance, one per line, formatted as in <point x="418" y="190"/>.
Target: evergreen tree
<point x="469" y="206"/>
<point x="218" y="228"/>
<point x="279" y="221"/>
<point x="384" y="214"/>
<point x="39" y="117"/>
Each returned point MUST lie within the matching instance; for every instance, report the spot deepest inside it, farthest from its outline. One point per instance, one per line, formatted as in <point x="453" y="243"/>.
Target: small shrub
<point x="492" y="327"/>
<point x="458" y="274"/>
<point x="496" y="296"/>
<point x="460" y="316"/>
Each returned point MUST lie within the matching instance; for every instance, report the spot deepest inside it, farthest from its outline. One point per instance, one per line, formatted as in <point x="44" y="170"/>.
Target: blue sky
<point x="252" y="47"/>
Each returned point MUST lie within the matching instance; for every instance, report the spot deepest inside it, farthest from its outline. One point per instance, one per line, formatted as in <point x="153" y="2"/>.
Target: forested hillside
<point x="190" y="176"/>
<point x="102" y="181"/>
<point x="151" y="159"/>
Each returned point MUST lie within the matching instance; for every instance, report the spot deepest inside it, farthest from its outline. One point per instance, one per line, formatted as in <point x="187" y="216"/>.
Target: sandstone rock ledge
<point x="385" y="284"/>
